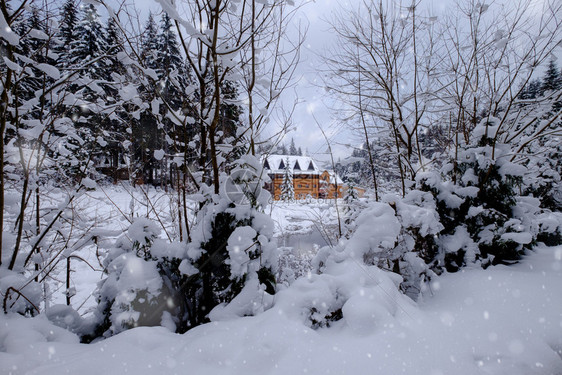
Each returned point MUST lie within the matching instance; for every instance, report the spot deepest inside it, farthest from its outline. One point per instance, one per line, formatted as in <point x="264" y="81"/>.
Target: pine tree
<point x="552" y="80"/>
<point x="170" y="65"/>
<point x="89" y="42"/>
<point x="282" y="149"/>
<point x="149" y="43"/>
<point x="66" y="33"/>
<point x="533" y="90"/>
<point x="37" y="49"/>
<point x="292" y="148"/>
<point x="113" y="44"/>
<point x="350" y="196"/>
<point x="287" y="188"/>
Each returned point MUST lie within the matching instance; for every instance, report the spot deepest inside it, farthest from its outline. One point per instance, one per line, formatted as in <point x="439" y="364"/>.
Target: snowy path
<point x="503" y="320"/>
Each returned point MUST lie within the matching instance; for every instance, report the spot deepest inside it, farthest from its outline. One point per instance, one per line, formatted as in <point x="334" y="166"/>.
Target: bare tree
<point x="381" y="68"/>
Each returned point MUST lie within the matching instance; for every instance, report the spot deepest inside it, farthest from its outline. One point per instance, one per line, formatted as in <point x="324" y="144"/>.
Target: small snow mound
<point x="159" y="154"/>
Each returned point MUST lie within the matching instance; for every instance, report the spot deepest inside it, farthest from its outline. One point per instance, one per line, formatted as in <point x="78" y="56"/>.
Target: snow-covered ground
<point x="502" y="320"/>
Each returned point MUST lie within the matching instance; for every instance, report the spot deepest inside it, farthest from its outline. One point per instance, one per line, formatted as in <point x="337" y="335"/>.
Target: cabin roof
<point x="304" y="164"/>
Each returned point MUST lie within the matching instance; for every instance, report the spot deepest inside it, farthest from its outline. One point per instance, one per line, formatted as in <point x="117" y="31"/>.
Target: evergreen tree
<point x="552" y="80"/>
<point x="281" y="149"/>
<point x="88" y="43"/>
<point x="352" y="207"/>
<point x="533" y="90"/>
<point x="113" y="44"/>
<point x="35" y="49"/>
<point x="66" y="33"/>
<point x="480" y="204"/>
<point x="292" y="148"/>
<point x="287" y="188"/>
<point x="170" y="65"/>
<point x="147" y="130"/>
<point x="350" y="196"/>
<point x="149" y="43"/>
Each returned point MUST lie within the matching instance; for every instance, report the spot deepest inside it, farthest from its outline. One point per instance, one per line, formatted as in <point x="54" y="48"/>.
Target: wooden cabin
<point x="308" y="179"/>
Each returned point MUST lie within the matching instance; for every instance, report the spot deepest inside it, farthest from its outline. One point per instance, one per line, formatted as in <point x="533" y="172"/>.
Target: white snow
<point x="159" y="154"/>
<point x="49" y="70"/>
<point x="502" y="320"/>
<point x="7" y="33"/>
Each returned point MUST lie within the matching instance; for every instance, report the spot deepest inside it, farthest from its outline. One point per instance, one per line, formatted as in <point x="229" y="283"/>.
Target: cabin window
<point x="310" y="167"/>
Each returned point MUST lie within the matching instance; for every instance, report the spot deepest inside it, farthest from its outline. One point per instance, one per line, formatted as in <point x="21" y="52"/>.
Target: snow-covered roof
<point x="335" y="177"/>
<point x="297" y="164"/>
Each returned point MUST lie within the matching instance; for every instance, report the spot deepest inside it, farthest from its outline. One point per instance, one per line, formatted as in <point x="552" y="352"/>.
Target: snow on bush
<point x="293" y="264"/>
<point x="347" y="286"/>
<point x="226" y="270"/>
<point x="19" y="293"/>
<point x="232" y="251"/>
<point x="133" y="293"/>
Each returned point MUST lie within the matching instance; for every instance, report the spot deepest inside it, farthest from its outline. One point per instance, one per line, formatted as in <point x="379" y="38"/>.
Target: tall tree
<point x="88" y="44"/>
<point x="292" y="148"/>
<point x="66" y="34"/>
<point x="287" y="189"/>
<point x="552" y="80"/>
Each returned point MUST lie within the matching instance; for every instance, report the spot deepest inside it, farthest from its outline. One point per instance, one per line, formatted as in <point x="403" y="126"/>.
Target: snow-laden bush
<point x="394" y="235"/>
<point x="137" y="289"/>
<point x="231" y="260"/>
<point x="19" y="294"/>
<point x="550" y="228"/>
<point x="293" y="264"/>
<point x="226" y="270"/>
<point x="417" y="256"/>
<point x="484" y="220"/>
<point x="347" y="286"/>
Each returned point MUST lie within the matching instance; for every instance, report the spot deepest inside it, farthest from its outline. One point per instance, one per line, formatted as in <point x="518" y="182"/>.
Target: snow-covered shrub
<point x="134" y="293"/>
<point x="351" y="209"/>
<point x="66" y="317"/>
<point x="231" y="255"/>
<point x="545" y="178"/>
<point x="550" y="228"/>
<point x="348" y="286"/>
<point x="226" y="270"/>
<point x="476" y="202"/>
<point x="293" y="265"/>
<point x="417" y="255"/>
<point x="18" y="293"/>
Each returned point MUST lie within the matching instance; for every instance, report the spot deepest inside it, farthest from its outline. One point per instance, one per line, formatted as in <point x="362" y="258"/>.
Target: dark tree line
<point x="125" y="121"/>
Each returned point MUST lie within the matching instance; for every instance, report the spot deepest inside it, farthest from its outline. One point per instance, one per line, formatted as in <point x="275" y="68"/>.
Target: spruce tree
<point x="287" y="188"/>
<point x="552" y="80"/>
<point x="35" y="48"/>
<point x="89" y="42"/>
<point x="292" y="148"/>
<point x="170" y="65"/>
<point x="149" y="43"/>
<point x="146" y="131"/>
<point x="66" y="34"/>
